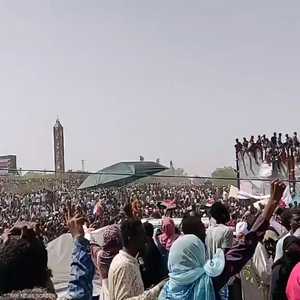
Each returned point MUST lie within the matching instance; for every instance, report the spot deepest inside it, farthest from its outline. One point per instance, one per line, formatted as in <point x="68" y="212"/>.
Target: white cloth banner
<point x="238" y="194"/>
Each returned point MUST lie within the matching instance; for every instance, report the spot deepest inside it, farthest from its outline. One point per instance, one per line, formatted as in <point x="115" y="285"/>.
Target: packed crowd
<point x="103" y="206"/>
<point x="245" y="252"/>
<point x="277" y="148"/>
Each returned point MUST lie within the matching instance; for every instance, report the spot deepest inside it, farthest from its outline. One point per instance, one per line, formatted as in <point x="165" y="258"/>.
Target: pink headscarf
<point x="168" y="236"/>
<point x="112" y="244"/>
<point x="293" y="286"/>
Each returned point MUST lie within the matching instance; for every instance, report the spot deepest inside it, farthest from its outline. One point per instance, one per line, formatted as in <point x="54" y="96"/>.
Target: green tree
<point x="226" y="172"/>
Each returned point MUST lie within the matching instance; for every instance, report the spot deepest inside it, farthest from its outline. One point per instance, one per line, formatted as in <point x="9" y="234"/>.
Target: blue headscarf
<point x="189" y="273"/>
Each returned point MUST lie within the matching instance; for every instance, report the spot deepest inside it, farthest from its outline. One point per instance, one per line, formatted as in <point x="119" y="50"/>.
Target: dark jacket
<point x="278" y="285"/>
<point x="151" y="270"/>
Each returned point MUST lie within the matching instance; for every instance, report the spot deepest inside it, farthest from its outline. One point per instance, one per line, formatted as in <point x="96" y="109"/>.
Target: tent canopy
<point x="122" y="173"/>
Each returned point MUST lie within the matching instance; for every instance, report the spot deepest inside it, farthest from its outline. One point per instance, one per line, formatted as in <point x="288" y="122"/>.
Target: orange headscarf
<point x="136" y="207"/>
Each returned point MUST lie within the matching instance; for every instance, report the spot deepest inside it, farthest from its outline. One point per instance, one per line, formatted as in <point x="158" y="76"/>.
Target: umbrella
<point x="122" y="173"/>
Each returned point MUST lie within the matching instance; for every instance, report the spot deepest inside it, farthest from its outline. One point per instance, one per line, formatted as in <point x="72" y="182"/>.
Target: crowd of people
<point x="102" y="206"/>
<point x="266" y="149"/>
<point x="246" y="250"/>
<point x="279" y="154"/>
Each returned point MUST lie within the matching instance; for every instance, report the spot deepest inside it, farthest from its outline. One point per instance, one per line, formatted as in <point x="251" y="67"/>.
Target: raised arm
<point x="238" y="256"/>
<point x="82" y="271"/>
<point x="82" y="268"/>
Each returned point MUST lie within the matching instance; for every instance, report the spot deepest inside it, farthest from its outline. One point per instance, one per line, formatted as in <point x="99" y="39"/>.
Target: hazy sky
<point x="172" y="79"/>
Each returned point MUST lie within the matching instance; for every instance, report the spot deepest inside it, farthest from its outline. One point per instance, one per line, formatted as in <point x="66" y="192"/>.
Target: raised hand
<point x="75" y="223"/>
<point x="22" y="230"/>
<point x="277" y="190"/>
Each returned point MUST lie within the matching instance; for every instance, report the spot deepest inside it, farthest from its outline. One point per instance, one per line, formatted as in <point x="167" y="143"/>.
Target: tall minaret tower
<point x="59" y="150"/>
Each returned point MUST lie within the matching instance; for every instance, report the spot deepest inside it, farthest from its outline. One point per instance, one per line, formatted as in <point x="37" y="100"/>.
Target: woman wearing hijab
<point x="103" y="256"/>
<point x="293" y="286"/>
<point x="284" y="266"/>
<point x="136" y="208"/>
<point x="191" y="277"/>
<point x="168" y="236"/>
<point x="165" y="241"/>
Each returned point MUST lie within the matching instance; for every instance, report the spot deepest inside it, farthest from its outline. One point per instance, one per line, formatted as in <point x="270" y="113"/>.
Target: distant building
<point x="59" y="149"/>
<point x="8" y="164"/>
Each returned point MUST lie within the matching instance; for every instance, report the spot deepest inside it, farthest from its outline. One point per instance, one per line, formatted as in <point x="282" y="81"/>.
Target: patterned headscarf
<point x="168" y="236"/>
<point x="112" y="244"/>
